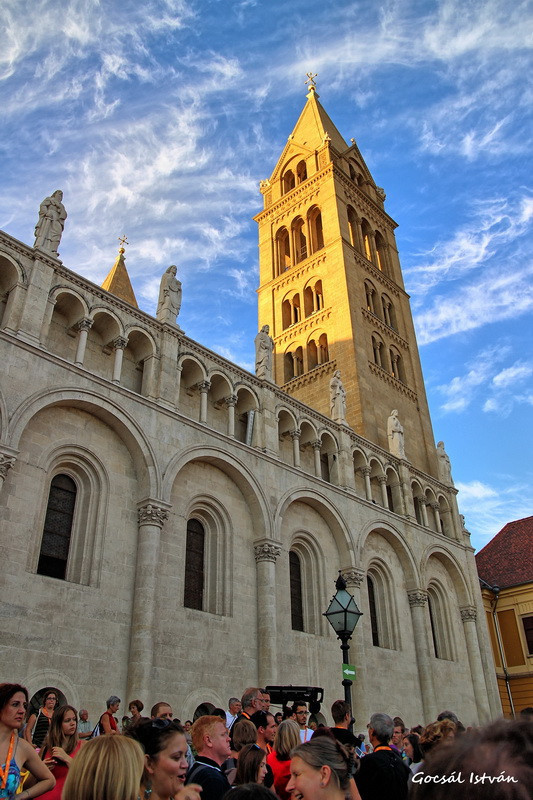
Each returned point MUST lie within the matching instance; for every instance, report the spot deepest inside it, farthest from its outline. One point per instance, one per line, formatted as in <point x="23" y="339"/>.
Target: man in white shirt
<point x="300" y="712"/>
<point x="235" y="707"/>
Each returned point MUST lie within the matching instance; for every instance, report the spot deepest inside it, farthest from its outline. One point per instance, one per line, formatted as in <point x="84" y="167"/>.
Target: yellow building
<point x="505" y="567"/>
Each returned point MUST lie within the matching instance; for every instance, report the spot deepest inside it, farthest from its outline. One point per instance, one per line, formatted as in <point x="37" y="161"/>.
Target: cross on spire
<point x="311" y="80"/>
<point x="123" y="240"/>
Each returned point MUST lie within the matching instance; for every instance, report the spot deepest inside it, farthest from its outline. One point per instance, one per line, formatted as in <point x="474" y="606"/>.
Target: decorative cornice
<point x="377" y="274"/>
<point x="353" y="576"/>
<point x="267" y="551"/>
<point x="316" y="320"/>
<point x="378" y="323"/>
<point x="388" y="378"/>
<point x="417" y="598"/>
<point x="151" y="514"/>
<point x="296" y="271"/>
<point x="468" y="614"/>
<point x="310" y="377"/>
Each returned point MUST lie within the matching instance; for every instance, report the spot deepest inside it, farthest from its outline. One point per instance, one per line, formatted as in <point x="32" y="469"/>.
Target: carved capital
<point x="120" y="343"/>
<point x="150" y="514"/>
<point x="366" y="471"/>
<point x="84" y="324"/>
<point x="266" y="551"/>
<point x="6" y="462"/>
<point x="317" y="444"/>
<point x="204" y="386"/>
<point x="231" y="400"/>
<point x="435" y="506"/>
<point x="417" y="598"/>
<point x="295" y="434"/>
<point x="382" y="479"/>
<point x="353" y="576"/>
<point x="468" y="614"/>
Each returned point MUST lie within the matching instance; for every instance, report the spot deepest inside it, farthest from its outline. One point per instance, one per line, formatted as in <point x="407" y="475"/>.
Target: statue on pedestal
<point x="49" y="228"/>
<point x="169" y="303"/>
<point x="264" y="347"/>
<point x="337" y="398"/>
<point x="444" y="465"/>
<point x="395" y="435"/>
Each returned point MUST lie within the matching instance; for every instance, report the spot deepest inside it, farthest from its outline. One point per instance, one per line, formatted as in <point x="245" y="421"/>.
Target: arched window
<point x="299" y="239"/>
<point x="301" y="171"/>
<point x="381" y="606"/>
<point x="377" y="350"/>
<point x="288" y="182"/>
<point x="319" y="296"/>
<point x="366" y="231"/>
<point x="323" y="351"/>
<point x="369" y="295"/>
<point x="312" y="354"/>
<point x="296" y="312"/>
<point x="295" y="573"/>
<point x="352" y="225"/>
<point x="381" y="252"/>
<point x="298" y="361"/>
<point x="286" y="314"/>
<point x="193" y="592"/>
<point x="57" y="532"/>
<point x="389" y="316"/>
<point x="353" y="174"/>
<point x="315" y="224"/>
<point x="283" y="249"/>
<point x="396" y="365"/>
<point x="288" y="366"/>
<point x="439" y="622"/>
<point x="308" y="301"/>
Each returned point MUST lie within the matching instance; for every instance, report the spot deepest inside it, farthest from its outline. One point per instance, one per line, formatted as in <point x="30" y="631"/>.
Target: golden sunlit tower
<point x="331" y="287"/>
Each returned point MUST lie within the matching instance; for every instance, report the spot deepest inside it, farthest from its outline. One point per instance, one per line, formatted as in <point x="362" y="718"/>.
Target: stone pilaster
<point x="83" y="327"/>
<point x="417" y="602"/>
<point x="7" y="461"/>
<point x="119" y="345"/>
<point x="152" y="515"/>
<point x="468" y="617"/>
<point x="266" y="552"/>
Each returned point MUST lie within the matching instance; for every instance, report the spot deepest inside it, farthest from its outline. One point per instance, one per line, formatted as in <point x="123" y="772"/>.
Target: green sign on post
<point x="348" y="672"/>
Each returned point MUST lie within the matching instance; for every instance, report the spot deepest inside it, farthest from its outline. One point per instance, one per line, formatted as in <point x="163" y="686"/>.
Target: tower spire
<point x="118" y="281"/>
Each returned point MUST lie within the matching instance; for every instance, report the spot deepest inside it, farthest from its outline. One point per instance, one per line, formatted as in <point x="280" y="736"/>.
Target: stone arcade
<point x="172" y="525"/>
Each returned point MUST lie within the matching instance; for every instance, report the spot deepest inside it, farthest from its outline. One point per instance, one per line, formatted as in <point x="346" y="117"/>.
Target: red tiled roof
<point x="507" y="560"/>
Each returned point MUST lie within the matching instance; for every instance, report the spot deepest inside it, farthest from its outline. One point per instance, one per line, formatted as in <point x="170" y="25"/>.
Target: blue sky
<point x="158" y="119"/>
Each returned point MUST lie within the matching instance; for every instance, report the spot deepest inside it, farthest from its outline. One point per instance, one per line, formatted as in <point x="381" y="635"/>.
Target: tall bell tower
<point x="331" y="287"/>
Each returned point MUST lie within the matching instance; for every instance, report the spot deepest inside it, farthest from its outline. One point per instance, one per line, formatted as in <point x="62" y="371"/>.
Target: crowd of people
<point x="250" y="753"/>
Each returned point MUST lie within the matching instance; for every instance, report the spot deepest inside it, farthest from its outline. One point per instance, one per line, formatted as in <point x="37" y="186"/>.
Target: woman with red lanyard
<point x="16" y="753"/>
<point x="108" y="723"/>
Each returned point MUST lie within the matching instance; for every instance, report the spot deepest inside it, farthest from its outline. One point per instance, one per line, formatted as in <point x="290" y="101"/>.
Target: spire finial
<point x="123" y="240"/>
<point x="312" y="83"/>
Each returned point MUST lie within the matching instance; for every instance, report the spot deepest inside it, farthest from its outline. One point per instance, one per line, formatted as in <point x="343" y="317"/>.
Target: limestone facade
<point x="152" y="428"/>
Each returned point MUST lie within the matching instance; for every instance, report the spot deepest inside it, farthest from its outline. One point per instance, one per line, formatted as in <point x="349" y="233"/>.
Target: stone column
<point x="368" y="488"/>
<point x="417" y="601"/>
<point x="468" y="616"/>
<point x="355" y="578"/>
<point x="424" y="512"/>
<point x="359" y="233"/>
<point x="120" y="344"/>
<point x="83" y="327"/>
<point x="372" y="242"/>
<point x="317" y="445"/>
<point x="382" y="480"/>
<point x="231" y="402"/>
<point x="436" y="513"/>
<point x="204" y="387"/>
<point x="152" y="514"/>
<point x="266" y="552"/>
<point x="6" y="462"/>
<point x="295" y="436"/>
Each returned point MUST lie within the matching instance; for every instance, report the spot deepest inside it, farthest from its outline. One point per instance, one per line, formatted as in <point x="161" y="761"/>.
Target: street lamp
<point x="343" y="615"/>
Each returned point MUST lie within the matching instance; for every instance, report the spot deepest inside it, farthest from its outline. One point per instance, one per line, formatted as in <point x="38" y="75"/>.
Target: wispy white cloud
<point x="461" y="390"/>
<point x="488" y="508"/>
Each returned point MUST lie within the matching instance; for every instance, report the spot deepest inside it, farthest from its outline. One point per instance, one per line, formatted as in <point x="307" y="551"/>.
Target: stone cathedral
<point x="172" y="526"/>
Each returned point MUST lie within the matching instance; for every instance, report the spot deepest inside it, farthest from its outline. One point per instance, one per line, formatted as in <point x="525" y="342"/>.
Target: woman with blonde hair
<point x="60" y="747"/>
<point x="107" y="768"/>
<point x="320" y="770"/>
<point x="279" y="760"/>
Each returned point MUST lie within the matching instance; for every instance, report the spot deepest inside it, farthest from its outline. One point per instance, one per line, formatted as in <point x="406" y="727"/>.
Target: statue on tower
<point x="169" y="303"/>
<point x="337" y="398"/>
<point x="49" y="228"/>
<point x="264" y="346"/>
<point x="395" y="435"/>
<point x="444" y="465"/>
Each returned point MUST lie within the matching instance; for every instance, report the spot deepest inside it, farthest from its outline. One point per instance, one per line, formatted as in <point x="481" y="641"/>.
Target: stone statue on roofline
<point x="264" y="347"/>
<point x="337" y="398"/>
<point x="49" y="228"/>
<point x="170" y="293"/>
<point x="444" y="465"/>
<point x="395" y="435"/>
